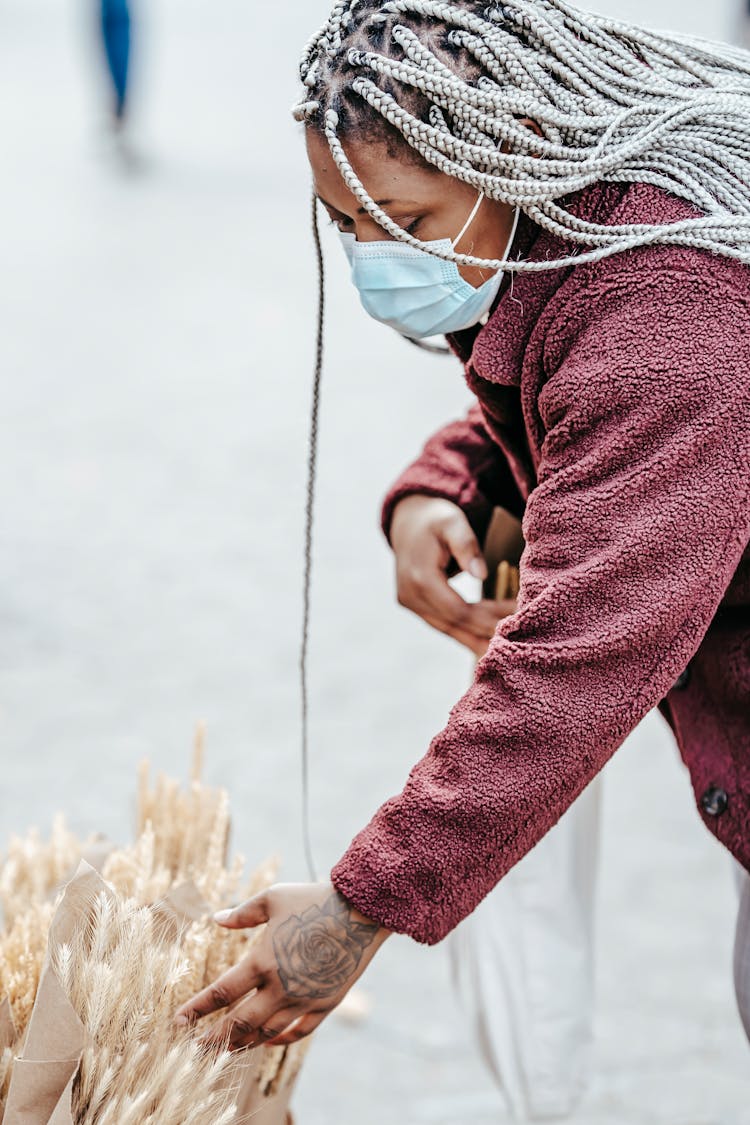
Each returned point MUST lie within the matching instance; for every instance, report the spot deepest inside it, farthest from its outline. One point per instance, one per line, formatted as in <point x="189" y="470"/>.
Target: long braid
<point x="312" y="472"/>
<point x="614" y="103"/>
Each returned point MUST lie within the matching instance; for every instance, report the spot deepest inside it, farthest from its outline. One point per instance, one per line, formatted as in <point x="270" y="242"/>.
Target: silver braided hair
<point x="614" y="102"/>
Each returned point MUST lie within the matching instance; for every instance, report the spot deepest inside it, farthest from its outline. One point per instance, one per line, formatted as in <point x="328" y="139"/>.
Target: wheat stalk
<point x="132" y="961"/>
<point x="120" y="974"/>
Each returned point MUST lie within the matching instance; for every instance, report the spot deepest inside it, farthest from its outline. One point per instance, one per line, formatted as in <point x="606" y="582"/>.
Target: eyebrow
<point x="377" y="202"/>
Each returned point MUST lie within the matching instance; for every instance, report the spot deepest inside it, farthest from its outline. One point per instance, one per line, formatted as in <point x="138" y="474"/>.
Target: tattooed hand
<point x="314" y="947"/>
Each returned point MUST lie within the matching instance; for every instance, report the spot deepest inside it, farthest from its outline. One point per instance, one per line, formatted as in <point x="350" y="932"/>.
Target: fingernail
<point x="181" y="1021"/>
<point x="223" y="915"/>
<point x="477" y="568"/>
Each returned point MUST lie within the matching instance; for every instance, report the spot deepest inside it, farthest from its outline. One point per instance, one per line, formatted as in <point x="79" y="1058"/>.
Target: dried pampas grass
<point x="103" y="965"/>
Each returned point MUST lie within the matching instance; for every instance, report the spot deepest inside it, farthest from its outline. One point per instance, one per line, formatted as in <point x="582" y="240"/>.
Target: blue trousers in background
<point x="116" y="29"/>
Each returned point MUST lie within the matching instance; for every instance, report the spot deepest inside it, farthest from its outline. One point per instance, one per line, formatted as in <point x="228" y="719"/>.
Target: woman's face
<point x="425" y="202"/>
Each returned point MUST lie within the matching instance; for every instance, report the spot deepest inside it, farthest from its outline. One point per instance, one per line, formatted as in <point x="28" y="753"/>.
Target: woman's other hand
<point x="426" y="534"/>
<point x="314" y="947"/>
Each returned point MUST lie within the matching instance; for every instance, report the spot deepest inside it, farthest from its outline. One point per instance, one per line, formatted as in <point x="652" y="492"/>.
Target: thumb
<point x="464" y="547"/>
<point x="254" y="912"/>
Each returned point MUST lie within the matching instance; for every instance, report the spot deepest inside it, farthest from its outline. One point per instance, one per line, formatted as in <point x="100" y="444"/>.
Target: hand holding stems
<point x="314" y="947"/>
<point x="426" y="534"/>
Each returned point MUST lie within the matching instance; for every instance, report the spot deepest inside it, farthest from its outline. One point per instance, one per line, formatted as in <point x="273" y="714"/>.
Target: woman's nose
<point x="371" y="232"/>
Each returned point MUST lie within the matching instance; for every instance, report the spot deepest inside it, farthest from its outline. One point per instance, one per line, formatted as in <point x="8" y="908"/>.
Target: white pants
<point x="742" y="948"/>
<point x="523" y="966"/>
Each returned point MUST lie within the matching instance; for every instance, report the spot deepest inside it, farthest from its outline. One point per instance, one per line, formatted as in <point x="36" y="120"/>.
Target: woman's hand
<point x="314" y="947"/>
<point x="426" y="533"/>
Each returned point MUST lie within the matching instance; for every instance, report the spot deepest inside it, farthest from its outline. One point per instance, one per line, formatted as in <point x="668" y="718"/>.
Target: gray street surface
<point x="156" y="347"/>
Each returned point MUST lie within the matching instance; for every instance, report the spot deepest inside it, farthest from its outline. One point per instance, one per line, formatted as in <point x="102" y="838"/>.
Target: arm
<point x="460" y="463"/>
<point x="634" y="530"/>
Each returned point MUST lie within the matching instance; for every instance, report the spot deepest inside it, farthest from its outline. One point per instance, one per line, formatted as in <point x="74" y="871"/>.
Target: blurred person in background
<point x="567" y="200"/>
<point x="116" y="31"/>
<point x="743" y="36"/>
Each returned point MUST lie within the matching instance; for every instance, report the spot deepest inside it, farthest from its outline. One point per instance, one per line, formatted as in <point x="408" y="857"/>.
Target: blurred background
<point x="158" y="303"/>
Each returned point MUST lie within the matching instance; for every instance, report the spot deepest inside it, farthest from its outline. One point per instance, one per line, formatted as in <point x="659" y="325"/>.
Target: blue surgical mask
<point x="416" y="293"/>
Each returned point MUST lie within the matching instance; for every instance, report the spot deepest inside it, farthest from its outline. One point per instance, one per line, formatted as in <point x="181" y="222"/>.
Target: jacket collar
<point x="495" y="351"/>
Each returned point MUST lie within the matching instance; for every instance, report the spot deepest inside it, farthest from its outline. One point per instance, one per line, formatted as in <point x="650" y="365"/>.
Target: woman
<point x="567" y="199"/>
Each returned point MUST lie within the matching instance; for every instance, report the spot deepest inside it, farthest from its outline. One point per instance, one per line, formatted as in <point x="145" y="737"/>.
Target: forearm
<point x="460" y="463"/>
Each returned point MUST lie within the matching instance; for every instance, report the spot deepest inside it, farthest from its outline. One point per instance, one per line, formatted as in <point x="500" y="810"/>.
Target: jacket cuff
<point x="369" y="880"/>
<point x="475" y="506"/>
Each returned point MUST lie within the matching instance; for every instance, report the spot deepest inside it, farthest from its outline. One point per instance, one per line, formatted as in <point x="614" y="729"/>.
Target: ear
<point x="527" y="121"/>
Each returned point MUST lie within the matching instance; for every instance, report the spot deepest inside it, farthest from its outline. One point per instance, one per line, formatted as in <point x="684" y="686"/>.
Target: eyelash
<point x="341" y="224"/>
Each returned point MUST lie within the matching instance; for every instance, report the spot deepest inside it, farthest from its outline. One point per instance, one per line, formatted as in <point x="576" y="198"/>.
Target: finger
<point x="228" y="988"/>
<point x="442" y="601"/>
<point x="252" y="1023"/>
<point x="480" y="618"/>
<point x="427" y="590"/>
<point x="476" y="621"/>
<point x="481" y="625"/>
<point x="464" y="546"/>
<point x="484" y="617"/>
<point x="476" y="644"/>
<point x="300" y="1029"/>
<point x="254" y="912"/>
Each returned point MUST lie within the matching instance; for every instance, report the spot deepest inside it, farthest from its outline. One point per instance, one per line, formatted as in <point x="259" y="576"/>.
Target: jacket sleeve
<point x="636" y="525"/>
<point x="461" y="463"/>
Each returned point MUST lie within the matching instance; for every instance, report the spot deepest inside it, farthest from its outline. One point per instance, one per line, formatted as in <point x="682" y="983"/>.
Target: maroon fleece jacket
<point x="613" y="414"/>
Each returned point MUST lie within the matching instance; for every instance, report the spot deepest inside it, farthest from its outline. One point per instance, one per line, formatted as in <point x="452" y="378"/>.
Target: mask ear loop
<point x="470" y="219"/>
<point x="440" y="349"/>
<point x="512" y="238"/>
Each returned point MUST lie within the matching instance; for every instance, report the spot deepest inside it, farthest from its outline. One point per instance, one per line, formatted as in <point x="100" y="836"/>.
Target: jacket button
<point x="682" y="680"/>
<point x="714" y="801"/>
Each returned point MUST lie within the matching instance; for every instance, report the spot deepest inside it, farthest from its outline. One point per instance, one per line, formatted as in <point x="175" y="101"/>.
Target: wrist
<point x="380" y="932"/>
<point x="410" y="511"/>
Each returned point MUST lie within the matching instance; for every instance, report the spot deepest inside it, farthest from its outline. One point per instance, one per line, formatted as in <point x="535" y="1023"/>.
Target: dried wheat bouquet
<point x="93" y="967"/>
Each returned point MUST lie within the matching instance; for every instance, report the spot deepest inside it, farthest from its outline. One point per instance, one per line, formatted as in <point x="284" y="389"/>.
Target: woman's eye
<point x="412" y="226"/>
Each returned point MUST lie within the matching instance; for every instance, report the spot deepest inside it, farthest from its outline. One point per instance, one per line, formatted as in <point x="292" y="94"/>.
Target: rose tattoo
<point x="318" y="951"/>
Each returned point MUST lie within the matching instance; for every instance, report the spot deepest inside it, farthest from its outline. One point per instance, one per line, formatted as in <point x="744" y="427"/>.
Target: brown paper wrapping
<point x="43" y="1077"/>
<point x="55" y="1037"/>
<point x="263" y="1082"/>
<point x="63" y="1114"/>
<point x="97" y="851"/>
<point x="182" y="905"/>
<point x="267" y="1102"/>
